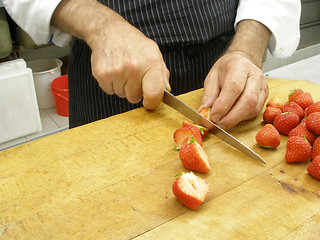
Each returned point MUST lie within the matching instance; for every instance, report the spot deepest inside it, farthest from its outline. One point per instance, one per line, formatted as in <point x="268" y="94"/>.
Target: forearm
<point x="251" y="39"/>
<point x="84" y="19"/>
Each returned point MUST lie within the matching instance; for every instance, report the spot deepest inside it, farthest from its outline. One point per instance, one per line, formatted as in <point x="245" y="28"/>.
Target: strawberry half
<point x="193" y="157"/>
<point x="190" y="190"/>
<point x="203" y="130"/>
<point x="183" y="135"/>
<point x="314" y="168"/>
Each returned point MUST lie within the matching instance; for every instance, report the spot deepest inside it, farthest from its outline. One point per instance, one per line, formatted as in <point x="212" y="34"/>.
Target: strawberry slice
<point x="193" y="157"/>
<point x="190" y="190"/>
<point x="203" y="130"/>
<point x="183" y="135"/>
<point x="205" y="111"/>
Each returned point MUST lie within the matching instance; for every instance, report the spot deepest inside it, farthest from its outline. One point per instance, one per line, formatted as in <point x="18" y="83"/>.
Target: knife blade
<point x="184" y="109"/>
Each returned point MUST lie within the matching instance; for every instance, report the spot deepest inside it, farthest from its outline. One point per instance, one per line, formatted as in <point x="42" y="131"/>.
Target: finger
<point x="263" y="96"/>
<point x="133" y="86"/>
<point x="211" y="90"/>
<point x="153" y="86"/>
<point x="246" y="106"/>
<point x="234" y="83"/>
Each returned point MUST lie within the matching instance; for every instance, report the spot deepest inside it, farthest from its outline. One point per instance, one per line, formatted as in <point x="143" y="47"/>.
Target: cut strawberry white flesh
<point x="191" y="190"/>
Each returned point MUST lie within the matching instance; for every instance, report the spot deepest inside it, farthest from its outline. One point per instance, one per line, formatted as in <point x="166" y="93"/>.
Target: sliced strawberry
<point x="190" y="190"/>
<point x="314" y="168"/>
<point x="203" y="130"/>
<point x="183" y="135"/>
<point x="194" y="157"/>
<point x="205" y="111"/>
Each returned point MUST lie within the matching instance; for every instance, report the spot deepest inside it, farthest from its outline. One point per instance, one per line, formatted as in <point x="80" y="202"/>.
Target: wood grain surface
<point x="112" y="179"/>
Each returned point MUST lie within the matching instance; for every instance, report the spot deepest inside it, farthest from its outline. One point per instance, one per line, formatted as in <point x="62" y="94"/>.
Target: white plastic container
<point x="19" y="112"/>
<point x="44" y="72"/>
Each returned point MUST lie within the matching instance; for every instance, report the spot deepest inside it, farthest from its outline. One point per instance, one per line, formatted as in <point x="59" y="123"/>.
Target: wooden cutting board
<point x="112" y="179"/>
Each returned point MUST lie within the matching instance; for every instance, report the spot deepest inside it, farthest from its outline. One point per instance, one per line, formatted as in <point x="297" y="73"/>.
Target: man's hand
<point x="123" y="60"/>
<point x="235" y="88"/>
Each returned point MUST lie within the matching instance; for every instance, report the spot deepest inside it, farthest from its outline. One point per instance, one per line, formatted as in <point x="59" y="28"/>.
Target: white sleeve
<point x="34" y="17"/>
<point x="282" y="17"/>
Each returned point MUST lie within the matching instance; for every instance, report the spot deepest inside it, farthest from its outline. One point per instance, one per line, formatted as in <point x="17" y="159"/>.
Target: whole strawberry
<point x="315" y="149"/>
<point x="313" y="122"/>
<point x="298" y="150"/>
<point x="293" y="107"/>
<point x="312" y="108"/>
<point x="314" y="168"/>
<point x="270" y="113"/>
<point x="275" y="102"/>
<point x="190" y="190"/>
<point x="268" y="137"/>
<point x="293" y="93"/>
<point x="302" y="131"/>
<point x="194" y="157"/>
<point x="304" y="100"/>
<point x="285" y="122"/>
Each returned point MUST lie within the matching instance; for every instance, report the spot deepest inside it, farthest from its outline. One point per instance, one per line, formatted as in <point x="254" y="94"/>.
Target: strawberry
<point x="314" y="168"/>
<point x="183" y="135"/>
<point x="205" y="111"/>
<point x="315" y="149"/>
<point x="304" y="100"/>
<point x="293" y="107"/>
<point x="193" y="157"/>
<point x="315" y="107"/>
<point x="270" y="113"/>
<point x="302" y="131"/>
<point x="190" y="190"/>
<point x="293" y="93"/>
<point x="285" y="122"/>
<point x="298" y="150"/>
<point x="268" y="137"/>
<point x="313" y="122"/>
<point x="274" y="102"/>
<point x="203" y="130"/>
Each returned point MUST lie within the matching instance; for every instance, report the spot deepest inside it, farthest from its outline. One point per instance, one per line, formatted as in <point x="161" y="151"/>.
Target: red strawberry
<point x="293" y="93"/>
<point x="312" y="108"/>
<point x="315" y="149"/>
<point x="298" y="150"/>
<point x="314" y="168"/>
<point x="313" y="122"/>
<point x="293" y="107"/>
<point x="270" y="113"/>
<point x="193" y="157"/>
<point x="268" y="137"/>
<point x="274" y="102"/>
<point x="191" y="190"/>
<point x="183" y="135"/>
<point x="304" y="100"/>
<point x="202" y="129"/>
<point x="205" y="111"/>
<point x="285" y="122"/>
<point x="302" y="131"/>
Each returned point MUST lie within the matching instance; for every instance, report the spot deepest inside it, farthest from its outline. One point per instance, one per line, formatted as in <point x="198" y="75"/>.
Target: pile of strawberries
<point x="299" y="119"/>
<point x="191" y="190"/>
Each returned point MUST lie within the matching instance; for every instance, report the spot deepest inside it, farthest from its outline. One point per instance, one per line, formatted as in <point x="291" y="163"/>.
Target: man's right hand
<point x="124" y="61"/>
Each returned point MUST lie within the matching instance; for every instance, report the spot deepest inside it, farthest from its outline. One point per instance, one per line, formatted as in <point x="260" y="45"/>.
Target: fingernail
<point x="216" y="117"/>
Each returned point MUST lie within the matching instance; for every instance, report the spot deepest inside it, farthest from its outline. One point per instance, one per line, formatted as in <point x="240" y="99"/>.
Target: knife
<point x="197" y="118"/>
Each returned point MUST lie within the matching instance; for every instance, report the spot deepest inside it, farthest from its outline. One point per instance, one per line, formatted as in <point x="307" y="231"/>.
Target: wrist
<point x="251" y="40"/>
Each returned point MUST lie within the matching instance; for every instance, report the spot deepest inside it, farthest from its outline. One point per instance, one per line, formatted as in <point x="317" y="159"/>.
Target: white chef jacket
<point x="282" y="17"/>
